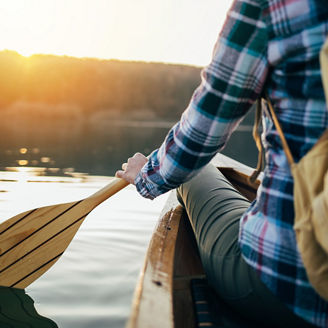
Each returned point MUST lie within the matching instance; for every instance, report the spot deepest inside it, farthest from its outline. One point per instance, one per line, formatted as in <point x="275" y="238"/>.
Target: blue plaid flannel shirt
<point x="270" y="45"/>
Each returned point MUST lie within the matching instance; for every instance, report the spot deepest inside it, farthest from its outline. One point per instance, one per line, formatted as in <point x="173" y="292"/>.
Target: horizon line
<point x="100" y="58"/>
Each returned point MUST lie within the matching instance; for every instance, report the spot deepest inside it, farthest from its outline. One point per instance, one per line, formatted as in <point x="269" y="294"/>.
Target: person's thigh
<point x="214" y="208"/>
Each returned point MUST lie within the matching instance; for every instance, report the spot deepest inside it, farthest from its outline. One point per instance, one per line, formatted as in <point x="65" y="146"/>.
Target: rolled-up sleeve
<point x="230" y="85"/>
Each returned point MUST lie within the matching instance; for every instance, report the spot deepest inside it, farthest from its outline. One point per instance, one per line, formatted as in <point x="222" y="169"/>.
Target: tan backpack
<point x="310" y="197"/>
<point x="311" y="203"/>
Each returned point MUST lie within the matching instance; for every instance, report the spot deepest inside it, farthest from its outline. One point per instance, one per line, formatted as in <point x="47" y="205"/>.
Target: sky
<point x="170" y="31"/>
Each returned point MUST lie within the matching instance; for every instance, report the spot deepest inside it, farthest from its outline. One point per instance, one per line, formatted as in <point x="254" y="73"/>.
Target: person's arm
<point x="230" y="85"/>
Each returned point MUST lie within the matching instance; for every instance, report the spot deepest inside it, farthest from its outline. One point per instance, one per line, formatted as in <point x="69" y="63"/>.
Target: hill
<point x="90" y="85"/>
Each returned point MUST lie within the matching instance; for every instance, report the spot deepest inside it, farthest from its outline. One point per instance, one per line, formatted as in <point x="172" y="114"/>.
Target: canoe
<point x="172" y="291"/>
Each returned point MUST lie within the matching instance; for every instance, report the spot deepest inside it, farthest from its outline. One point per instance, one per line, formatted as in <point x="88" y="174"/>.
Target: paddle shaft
<point x="109" y="190"/>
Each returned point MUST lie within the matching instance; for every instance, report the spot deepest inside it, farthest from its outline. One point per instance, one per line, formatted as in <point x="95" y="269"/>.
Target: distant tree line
<point x="96" y="85"/>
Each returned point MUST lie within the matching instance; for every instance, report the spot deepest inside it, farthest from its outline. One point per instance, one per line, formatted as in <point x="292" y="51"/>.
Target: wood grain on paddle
<point x="31" y="242"/>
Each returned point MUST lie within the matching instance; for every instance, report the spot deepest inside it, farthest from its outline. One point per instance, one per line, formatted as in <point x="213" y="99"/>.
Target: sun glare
<point x="150" y="30"/>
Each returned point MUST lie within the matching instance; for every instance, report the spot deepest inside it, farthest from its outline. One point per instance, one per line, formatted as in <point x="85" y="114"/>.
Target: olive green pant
<point x="214" y="208"/>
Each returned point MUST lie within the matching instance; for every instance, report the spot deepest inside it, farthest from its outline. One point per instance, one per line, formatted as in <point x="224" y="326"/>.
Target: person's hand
<point x="132" y="167"/>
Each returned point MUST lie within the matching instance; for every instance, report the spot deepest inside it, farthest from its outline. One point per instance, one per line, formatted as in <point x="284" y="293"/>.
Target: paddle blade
<point x="31" y="242"/>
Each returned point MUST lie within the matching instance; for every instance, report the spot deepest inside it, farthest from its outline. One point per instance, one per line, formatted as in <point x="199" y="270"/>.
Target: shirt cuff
<point x="146" y="188"/>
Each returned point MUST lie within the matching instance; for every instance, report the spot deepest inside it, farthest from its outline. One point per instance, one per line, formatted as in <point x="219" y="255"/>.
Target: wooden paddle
<point x="31" y="242"/>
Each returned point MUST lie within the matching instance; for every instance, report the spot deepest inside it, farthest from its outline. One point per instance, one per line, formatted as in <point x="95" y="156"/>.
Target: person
<point x="249" y="251"/>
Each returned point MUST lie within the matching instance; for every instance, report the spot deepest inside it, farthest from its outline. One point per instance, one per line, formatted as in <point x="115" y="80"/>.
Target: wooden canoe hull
<point x="163" y="295"/>
<point x="171" y="262"/>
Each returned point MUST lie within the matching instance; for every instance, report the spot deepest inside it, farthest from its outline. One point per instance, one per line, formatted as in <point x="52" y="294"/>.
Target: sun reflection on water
<point x="24" y="188"/>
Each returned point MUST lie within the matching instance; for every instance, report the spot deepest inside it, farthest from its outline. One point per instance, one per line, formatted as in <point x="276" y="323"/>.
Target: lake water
<point x="95" y="148"/>
<point x="92" y="284"/>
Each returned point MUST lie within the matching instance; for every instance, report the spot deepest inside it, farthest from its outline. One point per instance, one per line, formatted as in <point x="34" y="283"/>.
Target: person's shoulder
<point x="294" y="16"/>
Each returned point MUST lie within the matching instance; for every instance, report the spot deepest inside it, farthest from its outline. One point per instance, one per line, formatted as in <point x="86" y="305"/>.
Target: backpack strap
<point x="258" y="142"/>
<point x="256" y="135"/>
<point x="285" y="146"/>
<point x="324" y="76"/>
<point x="324" y="67"/>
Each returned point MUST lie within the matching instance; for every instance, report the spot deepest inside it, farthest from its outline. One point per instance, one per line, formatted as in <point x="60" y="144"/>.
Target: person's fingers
<point x="132" y="167"/>
<point x="124" y="175"/>
<point x="119" y="174"/>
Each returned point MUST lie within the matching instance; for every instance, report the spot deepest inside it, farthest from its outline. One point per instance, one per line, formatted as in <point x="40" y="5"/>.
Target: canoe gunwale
<point x="156" y="278"/>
